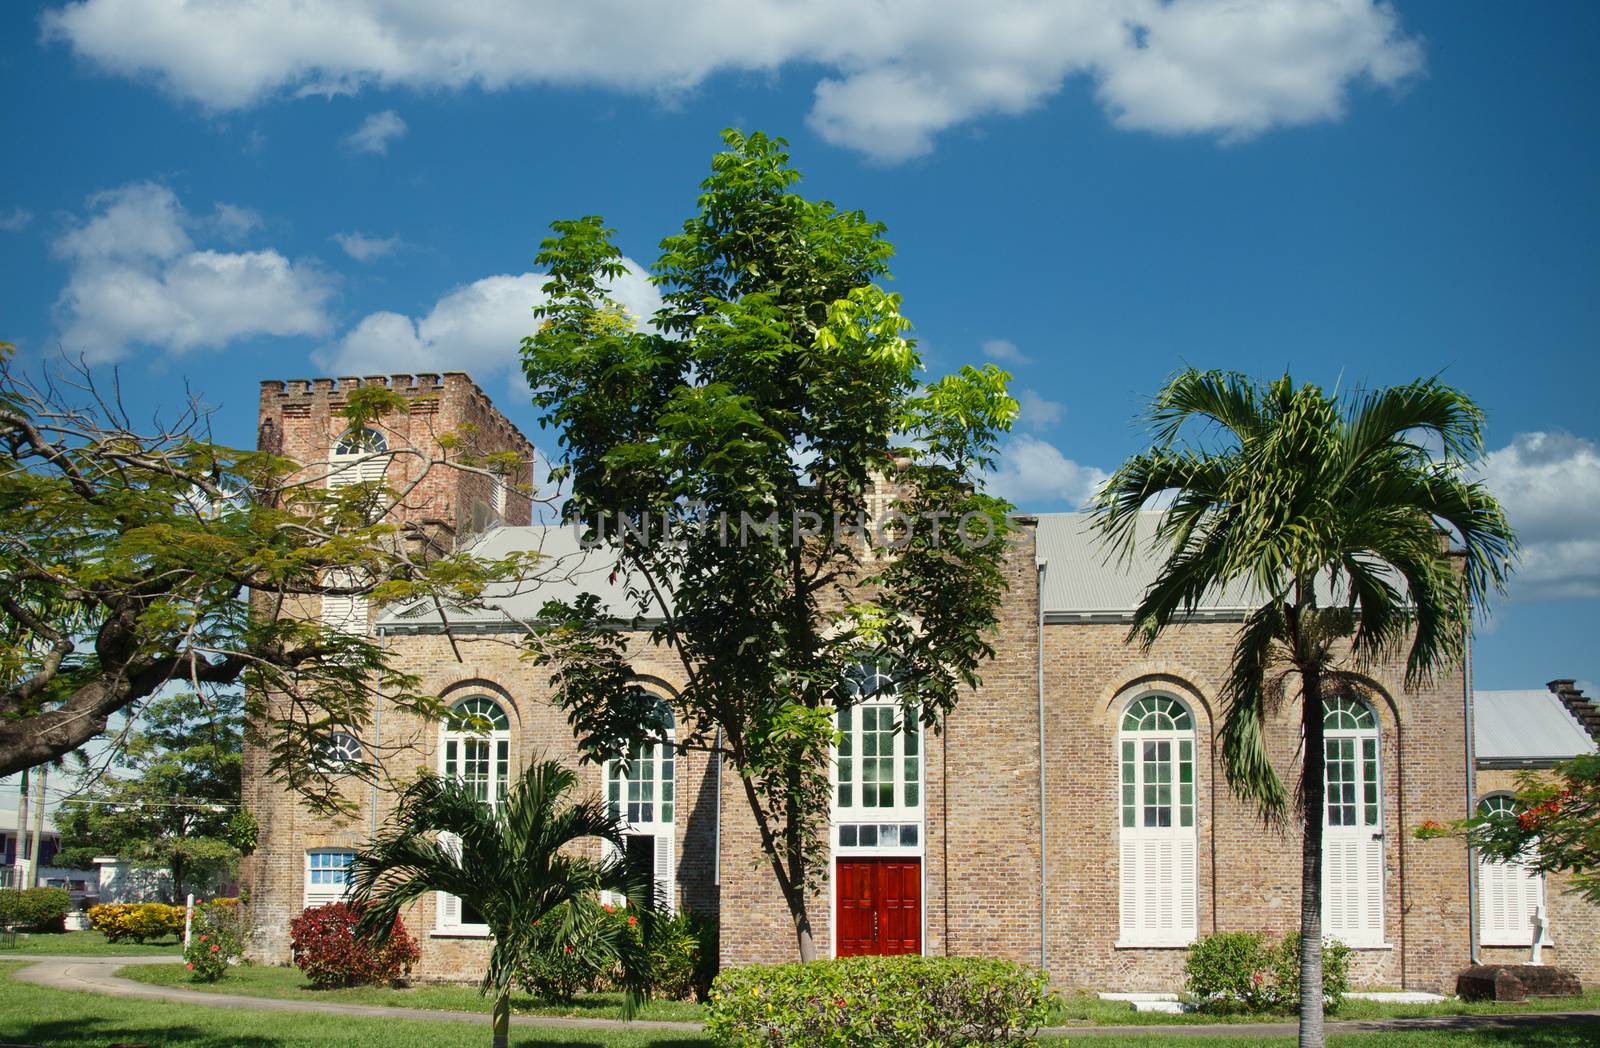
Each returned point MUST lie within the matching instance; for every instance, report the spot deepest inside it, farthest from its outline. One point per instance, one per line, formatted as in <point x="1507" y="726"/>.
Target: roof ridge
<point x="1582" y="708"/>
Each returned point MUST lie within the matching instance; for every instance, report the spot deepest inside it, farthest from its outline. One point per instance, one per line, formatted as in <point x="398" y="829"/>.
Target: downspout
<point x="1044" y="836"/>
<point x="716" y="823"/>
<point x="377" y="736"/>
<point x="1472" y="796"/>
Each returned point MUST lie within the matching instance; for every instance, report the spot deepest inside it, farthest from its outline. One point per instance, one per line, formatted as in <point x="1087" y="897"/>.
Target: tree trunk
<point x="1313" y="789"/>
<point x="502" y="1021"/>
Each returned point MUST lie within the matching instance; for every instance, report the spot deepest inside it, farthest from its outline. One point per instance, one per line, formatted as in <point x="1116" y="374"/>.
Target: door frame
<point x="879" y="859"/>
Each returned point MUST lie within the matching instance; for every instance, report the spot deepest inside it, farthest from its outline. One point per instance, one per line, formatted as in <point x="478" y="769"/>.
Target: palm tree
<point x="1286" y="489"/>
<point x="520" y="865"/>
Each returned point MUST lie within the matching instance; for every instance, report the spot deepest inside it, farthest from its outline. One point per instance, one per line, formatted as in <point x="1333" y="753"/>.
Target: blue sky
<point x="1092" y="194"/>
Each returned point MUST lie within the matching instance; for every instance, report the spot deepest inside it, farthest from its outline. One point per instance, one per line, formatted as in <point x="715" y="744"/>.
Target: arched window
<point x="1159" y="889"/>
<point x="338" y="751"/>
<point x="1510" y="894"/>
<point x="477" y="747"/>
<point x="359" y="457"/>
<point x="878" y="767"/>
<point x="360" y="442"/>
<point x="1352" y="859"/>
<point x="641" y="790"/>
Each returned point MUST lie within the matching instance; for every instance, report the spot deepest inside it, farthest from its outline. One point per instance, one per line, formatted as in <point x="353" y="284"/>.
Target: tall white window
<point x="877" y="788"/>
<point x="328" y="875"/>
<point x="475" y="748"/>
<point x="641" y="790"/>
<point x="1352" y="846"/>
<point x="358" y="457"/>
<point x="1157" y="805"/>
<point x="1510" y="894"/>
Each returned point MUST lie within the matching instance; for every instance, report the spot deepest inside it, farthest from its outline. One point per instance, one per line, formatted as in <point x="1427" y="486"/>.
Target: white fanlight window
<point x="877" y="781"/>
<point x="1159" y="889"/>
<point x="475" y="748"/>
<point x="328" y="875"/>
<point x="641" y="791"/>
<point x="1510" y="894"/>
<point x="1352" y="843"/>
<point x="338" y="752"/>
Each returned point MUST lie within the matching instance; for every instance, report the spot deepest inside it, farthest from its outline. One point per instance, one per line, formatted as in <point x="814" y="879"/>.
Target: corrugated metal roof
<point x="1526" y="726"/>
<point x="565" y="571"/>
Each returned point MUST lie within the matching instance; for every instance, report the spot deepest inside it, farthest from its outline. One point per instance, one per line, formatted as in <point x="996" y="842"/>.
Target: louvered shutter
<point x="1130" y="889"/>
<point x="1510" y="895"/>
<point x="1188" y="889"/>
<point x="666" y="872"/>
<point x="1352" y="888"/>
<point x="449" y="916"/>
<point x="1158" y="880"/>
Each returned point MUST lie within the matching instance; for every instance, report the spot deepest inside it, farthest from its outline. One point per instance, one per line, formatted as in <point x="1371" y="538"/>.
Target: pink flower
<point x="190" y="966"/>
<point x="215" y="949"/>
<point x="1257" y="979"/>
<point x="632" y="921"/>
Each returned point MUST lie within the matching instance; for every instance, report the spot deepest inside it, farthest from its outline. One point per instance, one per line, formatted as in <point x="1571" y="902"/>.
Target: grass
<point x="88" y="944"/>
<point x="1088" y="1009"/>
<point x="260" y="980"/>
<point x="64" y="1019"/>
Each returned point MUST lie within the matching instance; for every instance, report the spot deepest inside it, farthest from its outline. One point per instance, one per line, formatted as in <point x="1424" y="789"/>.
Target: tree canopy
<point x="727" y="452"/>
<point x="134" y="560"/>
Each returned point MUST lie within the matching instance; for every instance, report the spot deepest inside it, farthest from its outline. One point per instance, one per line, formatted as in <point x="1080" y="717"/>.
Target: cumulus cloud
<point x="234" y="223"/>
<point x="15" y="220"/>
<point x="1037" y="412"/>
<point x="376" y="132"/>
<point x="1005" y="351"/>
<point x="137" y="278"/>
<point x="1549" y="484"/>
<point x="477" y="328"/>
<point x="891" y="76"/>
<point x="364" y="248"/>
<point x="1034" y="474"/>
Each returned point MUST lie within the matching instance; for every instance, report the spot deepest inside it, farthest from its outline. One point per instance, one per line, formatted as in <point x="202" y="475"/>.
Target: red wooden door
<point x="880" y="906"/>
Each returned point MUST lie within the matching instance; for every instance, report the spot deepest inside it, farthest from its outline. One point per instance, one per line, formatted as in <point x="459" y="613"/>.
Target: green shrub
<point x="1244" y="971"/>
<point x="573" y="955"/>
<point x="35" y="909"/>
<point x="683" y="956"/>
<point x="865" y="1002"/>
<point x="216" y="939"/>
<point x="136" y="921"/>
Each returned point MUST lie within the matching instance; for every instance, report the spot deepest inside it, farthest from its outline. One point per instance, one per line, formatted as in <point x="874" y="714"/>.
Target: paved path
<point x="98" y="975"/>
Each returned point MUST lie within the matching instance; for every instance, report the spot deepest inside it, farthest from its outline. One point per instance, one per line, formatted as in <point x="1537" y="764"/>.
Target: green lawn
<point x="34" y="1015"/>
<point x="88" y="944"/>
<point x="1089" y="1009"/>
<point x="284" y="982"/>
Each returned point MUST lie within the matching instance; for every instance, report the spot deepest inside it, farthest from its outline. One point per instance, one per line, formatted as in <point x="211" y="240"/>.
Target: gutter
<point x="1044" y="836"/>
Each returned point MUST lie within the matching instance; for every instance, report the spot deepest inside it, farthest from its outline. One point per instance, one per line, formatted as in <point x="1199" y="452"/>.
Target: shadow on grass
<point x="98" y="1032"/>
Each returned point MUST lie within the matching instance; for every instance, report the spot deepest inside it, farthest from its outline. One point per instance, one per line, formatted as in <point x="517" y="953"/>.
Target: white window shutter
<point x="666" y="871"/>
<point x="1188" y="888"/>
<point x="449" y="916"/>
<point x="1130" y="888"/>
<point x="1352" y="888"/>
<point x="1372" y="890"/>
<point x="1510" y="895"/>
<point x="1159" y="890"/>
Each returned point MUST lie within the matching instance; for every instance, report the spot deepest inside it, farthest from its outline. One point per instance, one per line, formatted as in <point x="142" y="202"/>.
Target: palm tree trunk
<point x="1312" y="797"/>
<point x="502" y="1021"/>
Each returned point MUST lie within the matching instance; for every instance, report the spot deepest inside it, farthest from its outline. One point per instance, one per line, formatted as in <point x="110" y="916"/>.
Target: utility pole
<point x="20" y="865"/>
<point x="38" y="827"/>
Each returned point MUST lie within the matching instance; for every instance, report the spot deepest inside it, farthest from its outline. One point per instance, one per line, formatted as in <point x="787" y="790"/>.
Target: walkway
<point x="98" y="975"/>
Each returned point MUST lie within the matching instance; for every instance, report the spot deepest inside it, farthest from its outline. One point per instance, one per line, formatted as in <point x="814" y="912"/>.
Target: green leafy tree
<point x="1284" y="489"/>
<point x="174" y="797"/>
<point x="722" y="455"/>
<point x="522" y="867"/>
<point x="1554" y="827"/>
<point x="131" y="560"/>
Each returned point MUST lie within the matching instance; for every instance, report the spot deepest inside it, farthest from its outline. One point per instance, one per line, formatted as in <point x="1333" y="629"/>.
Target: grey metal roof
<point x="1526" y="726"/>
<point x="564" y="572"/>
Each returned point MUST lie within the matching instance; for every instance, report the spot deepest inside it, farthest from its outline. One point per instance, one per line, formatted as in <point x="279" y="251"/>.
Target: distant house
<point x="15" y="853"/>
<point x="1529" y="731"/>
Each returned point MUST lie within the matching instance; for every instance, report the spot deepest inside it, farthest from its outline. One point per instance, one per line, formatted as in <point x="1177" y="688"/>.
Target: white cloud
<point x="137" y="278"/>
<point x="1549" y="484"/>
<point x="15" y="220"/>
<point x="376" y="132"/>
<point x="363" y="248"/>
<point x="234" y="223"/>
<point x="477" y="328"/>
<point x="1037" y="412"/>
<point x="892" y="75"/>
<point x="1034" y="474"/>
<point x="1005" y="351"/>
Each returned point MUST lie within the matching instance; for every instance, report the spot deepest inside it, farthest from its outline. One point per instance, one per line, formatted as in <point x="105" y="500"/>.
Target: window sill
<point x="1169" y="944"/>
<point x="1374" y="947"/>
<point x="458" y="933"/>
<point x="1524" y="945"/>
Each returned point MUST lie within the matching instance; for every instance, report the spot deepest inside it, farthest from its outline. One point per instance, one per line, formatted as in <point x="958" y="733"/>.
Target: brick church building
<point x="1069" y="814"/>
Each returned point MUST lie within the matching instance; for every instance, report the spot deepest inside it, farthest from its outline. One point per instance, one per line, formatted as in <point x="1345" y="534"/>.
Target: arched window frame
<point x="1354" y="881"/>
<point x="339" y="751"/>
<point x="877" y="788"/>
<point x="474" y="747"/>
<point x="1157" y="817"/>
<point x="1509" y="893"/>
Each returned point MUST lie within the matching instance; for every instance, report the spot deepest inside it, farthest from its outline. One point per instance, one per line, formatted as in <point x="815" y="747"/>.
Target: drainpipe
<point x="377" y="738"/>
<point x="1044" y="837"/>
<point x="1472" y="796"/>
<point x="716" y="848"/>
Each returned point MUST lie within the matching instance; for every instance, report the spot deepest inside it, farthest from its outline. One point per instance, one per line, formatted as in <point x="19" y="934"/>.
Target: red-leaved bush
<point x="325" y="947"/>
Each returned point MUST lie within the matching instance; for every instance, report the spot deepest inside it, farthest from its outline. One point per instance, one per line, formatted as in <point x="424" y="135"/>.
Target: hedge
<point x="35" y="909"/>
<point x="139" y="921"/>
<point x="1250" y="972"/>
<point x="325" y="946"/>
<point x="863" y="1002"/>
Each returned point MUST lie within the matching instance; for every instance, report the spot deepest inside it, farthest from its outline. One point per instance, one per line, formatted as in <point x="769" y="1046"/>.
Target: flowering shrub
<point x="39" y="909"/>
<point x="866" y="1002"/>
<point x="137" y="921"/>
<point x="564" y="964"/>
<point x="325" y="947"/>
<point x="683" y="956"/>
<point x="216" y="940"/>
<point x="1245" y="971"/>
